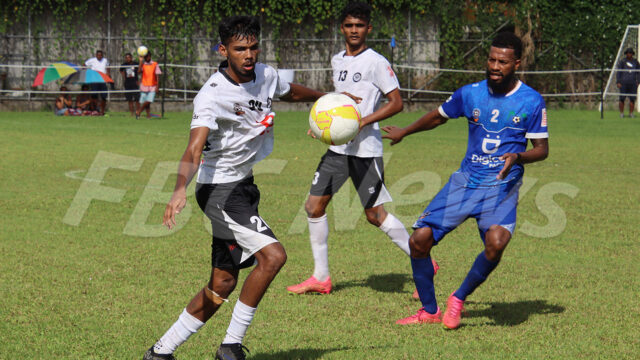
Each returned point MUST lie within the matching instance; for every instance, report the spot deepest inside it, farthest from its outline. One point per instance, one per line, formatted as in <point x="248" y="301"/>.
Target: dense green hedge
<point x="556" y="30"/>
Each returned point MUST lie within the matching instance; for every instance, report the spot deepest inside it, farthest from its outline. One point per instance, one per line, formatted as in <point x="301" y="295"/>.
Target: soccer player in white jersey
<point x="362" y="72"/>
<point x="232" y="127"/>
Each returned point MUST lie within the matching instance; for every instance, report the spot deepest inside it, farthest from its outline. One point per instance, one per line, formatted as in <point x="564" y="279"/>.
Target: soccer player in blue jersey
<point x="502" y="113"/>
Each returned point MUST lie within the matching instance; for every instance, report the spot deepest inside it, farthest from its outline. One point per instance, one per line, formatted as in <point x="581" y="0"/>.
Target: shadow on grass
<point x="389" y="283"/>
<point x="307" y="354"/>
<point x="515" y="313"/>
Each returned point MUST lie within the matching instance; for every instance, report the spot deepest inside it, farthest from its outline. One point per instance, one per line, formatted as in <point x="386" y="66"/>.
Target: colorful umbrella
<point x="54" y="71"/>
<point x="88" y="76"/>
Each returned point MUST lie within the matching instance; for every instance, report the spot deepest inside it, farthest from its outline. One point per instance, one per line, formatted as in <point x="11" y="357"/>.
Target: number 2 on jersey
<point x="260" y="224"/>
<point x="495" y="113"/>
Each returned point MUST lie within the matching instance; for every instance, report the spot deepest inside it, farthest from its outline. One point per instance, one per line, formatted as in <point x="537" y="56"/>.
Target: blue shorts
<point x="455" y="203"/>
<point x="147" y="96"/>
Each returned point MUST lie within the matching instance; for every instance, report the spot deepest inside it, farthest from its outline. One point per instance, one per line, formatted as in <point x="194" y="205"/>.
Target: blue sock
<point x="481" y="268"/>
<point x="423" y="277"/>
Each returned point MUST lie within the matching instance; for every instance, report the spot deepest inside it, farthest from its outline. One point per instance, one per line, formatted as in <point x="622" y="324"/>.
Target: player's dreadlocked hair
<point x="358" y="10"/>
<point x="239" y="27"/>
<point x="508" y="40"/>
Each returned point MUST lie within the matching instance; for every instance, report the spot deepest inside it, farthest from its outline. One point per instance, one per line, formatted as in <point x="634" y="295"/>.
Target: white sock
<point x="240" y="321"/>
<point x="178" y="333"/>
<point x="318" y="235"/>
<point x="396" y="232"/>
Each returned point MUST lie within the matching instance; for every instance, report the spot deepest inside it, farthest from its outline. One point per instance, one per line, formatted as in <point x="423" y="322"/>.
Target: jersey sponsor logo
<point x="267" y="122"/>
<point x="213" y="84"/>
<point x="543" y="123"/>
<point x="390" y="70"/>
<point x="516" y="119"/>
<point x="476" y="114"/>
<point x="238" y="109"/>
<point x="356" y="77"/>
<point x="487" y="160"/>
<point x="372" y="189"/>
<point x="490" y="146"/>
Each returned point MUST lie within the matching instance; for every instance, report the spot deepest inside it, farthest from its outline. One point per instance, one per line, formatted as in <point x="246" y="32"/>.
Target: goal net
<point x="631" y="39"/>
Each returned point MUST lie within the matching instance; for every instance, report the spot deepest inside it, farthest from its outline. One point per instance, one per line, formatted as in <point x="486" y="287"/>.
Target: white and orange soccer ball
<point x="334" y="119"/>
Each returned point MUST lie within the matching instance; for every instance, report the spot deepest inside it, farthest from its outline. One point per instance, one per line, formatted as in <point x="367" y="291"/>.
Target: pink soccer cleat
<point x="435" y="271"/>
<point x="311" y="285"/>
<point x="421" y="317"/>
<point x="455" y="307"/>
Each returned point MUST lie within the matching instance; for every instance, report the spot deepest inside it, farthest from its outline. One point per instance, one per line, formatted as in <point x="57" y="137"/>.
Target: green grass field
<point x="107" y="282"/>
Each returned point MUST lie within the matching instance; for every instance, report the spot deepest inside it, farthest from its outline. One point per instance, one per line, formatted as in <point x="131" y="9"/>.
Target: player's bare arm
<point x="186" y="170"/>
<point x="429" y="121"/>
<point x="538" y="152"/>
<point x="393" y="106"/>
<point x="298" y="92"/>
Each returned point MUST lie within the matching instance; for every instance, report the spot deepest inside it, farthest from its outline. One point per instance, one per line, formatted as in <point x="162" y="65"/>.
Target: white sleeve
<point x="204" y="114"/>
<point x="282" y="87"/>
<point x="385" y="78"/>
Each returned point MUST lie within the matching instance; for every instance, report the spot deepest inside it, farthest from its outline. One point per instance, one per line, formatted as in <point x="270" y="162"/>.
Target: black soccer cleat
<point x="231" y="352"/>
<point x="151" y="355"/>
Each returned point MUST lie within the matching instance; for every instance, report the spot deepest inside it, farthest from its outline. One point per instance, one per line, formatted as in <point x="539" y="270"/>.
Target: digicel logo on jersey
<point x="491" y="161"/>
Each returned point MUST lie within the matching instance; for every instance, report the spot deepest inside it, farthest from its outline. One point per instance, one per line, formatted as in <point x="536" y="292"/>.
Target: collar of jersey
<point x="361" y="52"/>
<point x="518" y="84"/>
<point x="225" y="64"/>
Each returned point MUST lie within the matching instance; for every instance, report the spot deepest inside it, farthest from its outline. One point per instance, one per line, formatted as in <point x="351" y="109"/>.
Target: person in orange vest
<point x="149" y="84"/>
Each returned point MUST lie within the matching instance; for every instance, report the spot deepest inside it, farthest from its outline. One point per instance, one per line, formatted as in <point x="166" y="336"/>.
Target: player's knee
<point x="421" y="242"/>
<point x="273" y="261"/>
<point x="313" y="209"/>
<point x="223" y="285"/>
<point x="375" y="217"/>
<point x="496" y="241"/>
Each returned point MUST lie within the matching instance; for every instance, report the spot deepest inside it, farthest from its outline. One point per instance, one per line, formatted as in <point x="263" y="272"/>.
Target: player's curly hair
<point x="240" y="27"/>
<point x="508" y="40"/>
<point x="358" y="10"/>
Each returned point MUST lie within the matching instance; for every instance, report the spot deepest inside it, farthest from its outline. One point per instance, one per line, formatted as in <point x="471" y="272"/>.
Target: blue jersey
<point x="498" y="124"/>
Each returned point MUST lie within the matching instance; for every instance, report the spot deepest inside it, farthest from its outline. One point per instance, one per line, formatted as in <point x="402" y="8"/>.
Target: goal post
<point x="631" y="39"/>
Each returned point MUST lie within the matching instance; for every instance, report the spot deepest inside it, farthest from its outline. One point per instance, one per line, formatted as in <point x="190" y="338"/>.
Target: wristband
<point x="518" y="157"/>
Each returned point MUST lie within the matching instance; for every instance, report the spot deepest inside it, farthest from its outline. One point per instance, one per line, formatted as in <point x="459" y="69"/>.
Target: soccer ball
<point x="142" y="50"/>
<point x="334" y="119"/>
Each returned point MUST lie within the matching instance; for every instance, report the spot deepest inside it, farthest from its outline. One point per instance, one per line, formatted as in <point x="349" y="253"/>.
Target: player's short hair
<point x="358" y="10"/>
<point x="629" y="50"/>
<point x="240" y="27"/>
<point x="508" y="40"/>
<point x="99" y="51"/>
<point x="128" y="54"/>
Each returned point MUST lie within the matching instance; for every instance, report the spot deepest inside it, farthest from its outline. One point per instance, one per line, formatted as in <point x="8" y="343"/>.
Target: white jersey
<point x="97" y="65"/>
<point x="367" y="75"/>
<point x="240" y="123"/>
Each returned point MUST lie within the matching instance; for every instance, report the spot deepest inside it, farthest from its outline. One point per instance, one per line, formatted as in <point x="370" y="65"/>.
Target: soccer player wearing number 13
<point x="232" y="126"/>
<point x="502" y="113"/>
<point x="363" y="72"/>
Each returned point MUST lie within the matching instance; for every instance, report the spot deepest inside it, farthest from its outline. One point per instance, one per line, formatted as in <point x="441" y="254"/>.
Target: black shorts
<point x="99" y="90"/>
<point x="630" y="91"/>
<point x="238" y="230"/>
<point x="367" y="175"/>
<point x="132" y="96"/>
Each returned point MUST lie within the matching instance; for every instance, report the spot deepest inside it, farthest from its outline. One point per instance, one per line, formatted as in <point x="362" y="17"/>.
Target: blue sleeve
<point x="537" y="125"/>
<point x="454" y="106"/>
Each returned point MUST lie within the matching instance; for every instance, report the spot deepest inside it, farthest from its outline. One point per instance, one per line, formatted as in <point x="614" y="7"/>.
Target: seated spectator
<point x="63" y="103"/>
<point x="85" y="104"/>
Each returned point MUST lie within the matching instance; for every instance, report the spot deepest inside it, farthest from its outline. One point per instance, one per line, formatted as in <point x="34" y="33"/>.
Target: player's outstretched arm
<point x="186" y="170"/>
<point x="298" y="93"/>
<point x="539" y="152"/>
<point x="392" y="107"/>
<point x="427" y="122"/>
